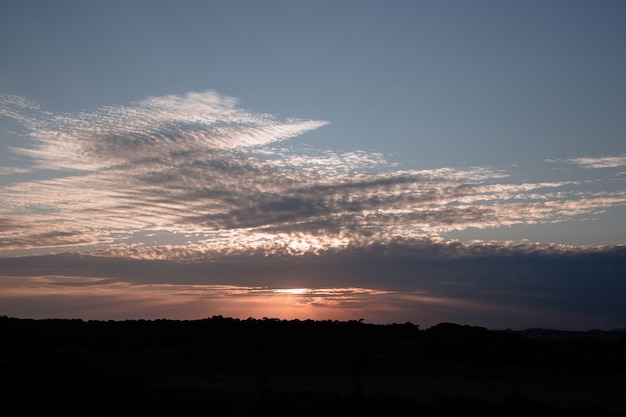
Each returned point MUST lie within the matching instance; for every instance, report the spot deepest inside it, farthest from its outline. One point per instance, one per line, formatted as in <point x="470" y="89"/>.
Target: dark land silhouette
<point x="229" y="367"/>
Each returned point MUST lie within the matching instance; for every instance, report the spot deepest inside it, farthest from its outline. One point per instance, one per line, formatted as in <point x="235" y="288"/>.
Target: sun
<point x="295" y="291"/>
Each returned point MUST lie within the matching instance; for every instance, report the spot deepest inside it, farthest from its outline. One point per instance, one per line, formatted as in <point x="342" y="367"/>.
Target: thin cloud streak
<point x="602" y="162"/>
<point x="14" y="170"/>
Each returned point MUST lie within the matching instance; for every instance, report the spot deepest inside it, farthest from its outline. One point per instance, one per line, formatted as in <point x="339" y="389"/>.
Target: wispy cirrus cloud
<point x="156" y="128"/>
<point x="595" y="162"/>
<point x="601" y="162"/>
<point x="204" y="175"/>
<point x="14" y="170"/>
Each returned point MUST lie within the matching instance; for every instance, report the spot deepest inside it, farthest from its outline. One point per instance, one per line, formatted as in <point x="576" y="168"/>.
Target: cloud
<point x="490" y="284"/>
<point x="14" y="170"/>
<point x="604" y="162"/>
<point x="193" y="176"/>
<point x="158" y="127"/>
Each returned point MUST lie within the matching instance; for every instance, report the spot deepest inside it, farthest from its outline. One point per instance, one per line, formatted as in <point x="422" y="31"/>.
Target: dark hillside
<point x="224" y="366"/>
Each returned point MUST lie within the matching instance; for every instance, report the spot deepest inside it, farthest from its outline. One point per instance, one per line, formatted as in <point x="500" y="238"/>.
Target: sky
<point x="422" y="161"/>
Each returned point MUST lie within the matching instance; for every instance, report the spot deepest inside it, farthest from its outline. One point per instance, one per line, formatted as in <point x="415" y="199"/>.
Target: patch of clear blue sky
<point x="442" y="83"/>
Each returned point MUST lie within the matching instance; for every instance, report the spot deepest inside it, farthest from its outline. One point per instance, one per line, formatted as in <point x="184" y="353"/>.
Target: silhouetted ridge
<point x="226" y="366"/>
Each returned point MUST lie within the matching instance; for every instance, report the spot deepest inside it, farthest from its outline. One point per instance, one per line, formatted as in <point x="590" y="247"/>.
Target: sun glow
<point x="296" y="291"/>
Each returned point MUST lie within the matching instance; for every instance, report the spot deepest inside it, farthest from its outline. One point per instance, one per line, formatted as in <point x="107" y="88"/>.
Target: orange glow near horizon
<point x="88" y="298"/>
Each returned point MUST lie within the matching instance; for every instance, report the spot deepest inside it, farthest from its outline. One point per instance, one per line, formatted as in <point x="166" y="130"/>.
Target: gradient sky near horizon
<point x="393" y="161"/>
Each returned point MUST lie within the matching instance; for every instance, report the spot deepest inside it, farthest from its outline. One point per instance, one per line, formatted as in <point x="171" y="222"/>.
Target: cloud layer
<point x="196" y="176"/>
<point x="493" y="285"/>
<point x="162" y="128"/>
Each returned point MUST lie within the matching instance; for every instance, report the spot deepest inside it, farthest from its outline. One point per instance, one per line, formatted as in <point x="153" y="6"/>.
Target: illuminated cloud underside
<point x="193" y="176"/>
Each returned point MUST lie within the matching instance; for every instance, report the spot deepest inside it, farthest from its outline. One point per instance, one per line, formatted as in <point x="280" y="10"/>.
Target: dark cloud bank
<point x="495" y="286"/>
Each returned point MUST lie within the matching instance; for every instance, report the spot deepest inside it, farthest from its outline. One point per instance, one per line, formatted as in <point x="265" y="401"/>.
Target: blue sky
<point x="238" y="144"/>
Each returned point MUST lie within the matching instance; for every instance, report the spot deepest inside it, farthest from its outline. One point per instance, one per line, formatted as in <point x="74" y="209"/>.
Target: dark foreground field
<point x="228" y="367"/>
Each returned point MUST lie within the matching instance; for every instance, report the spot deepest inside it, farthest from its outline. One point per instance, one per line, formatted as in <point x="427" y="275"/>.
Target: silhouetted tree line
<point x="227" y="366"/>
<point x="217" y="329"/>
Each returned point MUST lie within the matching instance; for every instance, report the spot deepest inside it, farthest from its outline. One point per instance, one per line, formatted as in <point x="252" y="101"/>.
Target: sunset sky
<point x="422" y="161"/>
